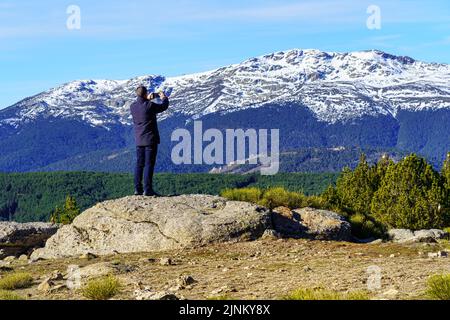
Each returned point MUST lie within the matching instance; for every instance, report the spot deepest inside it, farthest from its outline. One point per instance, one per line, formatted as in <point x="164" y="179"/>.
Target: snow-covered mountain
<point x="334" y="86"/>
<point x="318" y="99"/>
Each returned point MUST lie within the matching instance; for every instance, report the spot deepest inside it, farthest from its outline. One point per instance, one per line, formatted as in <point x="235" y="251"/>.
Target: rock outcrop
<point x="21" y="238"/>
<point x="310" y="223"/>
<point x="142" y="224"/>
<point x="408" y="236"/>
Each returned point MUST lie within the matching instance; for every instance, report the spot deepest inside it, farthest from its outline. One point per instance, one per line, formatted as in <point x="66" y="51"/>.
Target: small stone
<point x="9" y="259"/>
<point x="176" y="288"/>
<point x="307" y="269"/>
<point x="165" y="261"/>
<point x="217" y="291"/>
<point x="58" y="287"/>
<point x="225" y="270"/>
<point x="439" y="254"/>
<point x="391" y="293"/>
<point x="270" y="234"/>
<point x="147" y="294"/>
<point x="56" y="276"/>
<point x="88" y="256"/>
<point x="23" y="258"/>
<point x="147" y="260"/>
<point x="224" y="289"/>
<point x="186" y="281"/>
<point x="392" y="256"/>
<point x="45" y="285"/>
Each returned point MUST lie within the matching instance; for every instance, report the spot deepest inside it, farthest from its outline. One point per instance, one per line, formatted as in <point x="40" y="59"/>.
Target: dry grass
<point x="439" y="287"/>
<point x="102" y="288"/>
<point x="16" y="281"/>
<point x="324" y="294"/>
<point x="8" y="295"/>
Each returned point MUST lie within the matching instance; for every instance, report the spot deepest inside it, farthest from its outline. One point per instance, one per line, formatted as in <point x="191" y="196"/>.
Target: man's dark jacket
<point x="144" y="118"/>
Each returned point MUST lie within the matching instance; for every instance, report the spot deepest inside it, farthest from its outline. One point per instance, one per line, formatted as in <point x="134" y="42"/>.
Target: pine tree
<point x="446" y="178"/>
<point x="446" y="172"/>
<point x="356" y="188"/>
<point x="67" y="214"/>
<point x="411" y="195"/>
<point x="55" y="216"/>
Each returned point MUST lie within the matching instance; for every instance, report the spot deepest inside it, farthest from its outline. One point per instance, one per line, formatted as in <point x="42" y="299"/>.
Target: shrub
<point x="323" y="294"/>
<point x="102" y="288"/>
<point x="364" y="227"/>
<point x="356" y="188"/>
<point x="245" y="194"/>
<point x="276" y="197"/>
<point x="439" y="287"/>
<point x="316" y="202"/>
<point x="271" y="198"/>
<point x="8" y="295"/>
<point x="411" y="196"/>
<point x="67" y="214"/>
<point x="16" y="281"/>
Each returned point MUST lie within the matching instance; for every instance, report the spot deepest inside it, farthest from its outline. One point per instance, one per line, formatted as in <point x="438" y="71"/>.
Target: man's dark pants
<point x="145" y="166"/>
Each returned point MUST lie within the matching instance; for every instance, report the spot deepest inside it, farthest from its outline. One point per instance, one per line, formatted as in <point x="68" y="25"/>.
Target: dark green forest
<point x="28" y="197"/>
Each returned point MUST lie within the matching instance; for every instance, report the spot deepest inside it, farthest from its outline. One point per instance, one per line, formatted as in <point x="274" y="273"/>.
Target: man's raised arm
<point x="158" y="108"/>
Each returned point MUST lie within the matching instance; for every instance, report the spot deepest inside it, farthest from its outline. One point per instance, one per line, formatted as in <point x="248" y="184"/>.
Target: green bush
<point x="364" y="227"/>
<point x="67" y="214"/>
<point x="270" y="198"/>
<point x="316" y="202"/>
<point x="275" y="197"/>
<point x="411" y="196"/>
<point x="16" y="281"/>
<point x="439" y="287"/>
<point x="252" y="195"/>
<point x="8" y="295"/>
<point x="102" y="288"/>
<point x="323" y="294"/>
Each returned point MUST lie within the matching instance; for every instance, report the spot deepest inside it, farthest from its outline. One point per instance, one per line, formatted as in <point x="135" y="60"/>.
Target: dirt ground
<point x="263" y="269"/>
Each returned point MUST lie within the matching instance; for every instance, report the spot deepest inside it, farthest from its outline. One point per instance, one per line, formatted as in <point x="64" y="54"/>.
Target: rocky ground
<point x="263" y="269"/>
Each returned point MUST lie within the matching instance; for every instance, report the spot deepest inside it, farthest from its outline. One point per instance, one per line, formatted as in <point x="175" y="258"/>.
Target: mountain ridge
<point x="369" y="84"/>
<point x="363" y="99"/>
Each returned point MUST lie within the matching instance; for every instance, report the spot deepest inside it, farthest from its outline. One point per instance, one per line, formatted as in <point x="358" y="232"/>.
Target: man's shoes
<point x="138" y="193"/>
<point x="151" y="194"/>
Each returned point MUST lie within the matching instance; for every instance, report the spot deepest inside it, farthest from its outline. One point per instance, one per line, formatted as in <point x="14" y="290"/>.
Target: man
<point x="144" y="112"/>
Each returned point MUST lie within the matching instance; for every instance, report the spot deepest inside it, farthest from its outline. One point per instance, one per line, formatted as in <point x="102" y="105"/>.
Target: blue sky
<point x="123" y="39"/>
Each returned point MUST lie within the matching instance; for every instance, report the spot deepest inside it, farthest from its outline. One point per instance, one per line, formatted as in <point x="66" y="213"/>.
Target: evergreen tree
<point x="55" y="216"/>
<point x="356" y="188"/>
<point x="446" y="172"/>
<point x="411" y="195"/>
<point x="446" y="178"/>
<point x="68" y="213"/>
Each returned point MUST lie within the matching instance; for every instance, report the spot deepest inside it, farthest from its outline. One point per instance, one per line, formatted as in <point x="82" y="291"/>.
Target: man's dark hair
<point x="141" y="92"/>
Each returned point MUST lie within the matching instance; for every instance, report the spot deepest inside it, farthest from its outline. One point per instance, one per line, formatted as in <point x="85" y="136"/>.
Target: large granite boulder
<point x="311" y="223"/>
<point x="22" y="238"/>
<point x="143" y="224"/>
